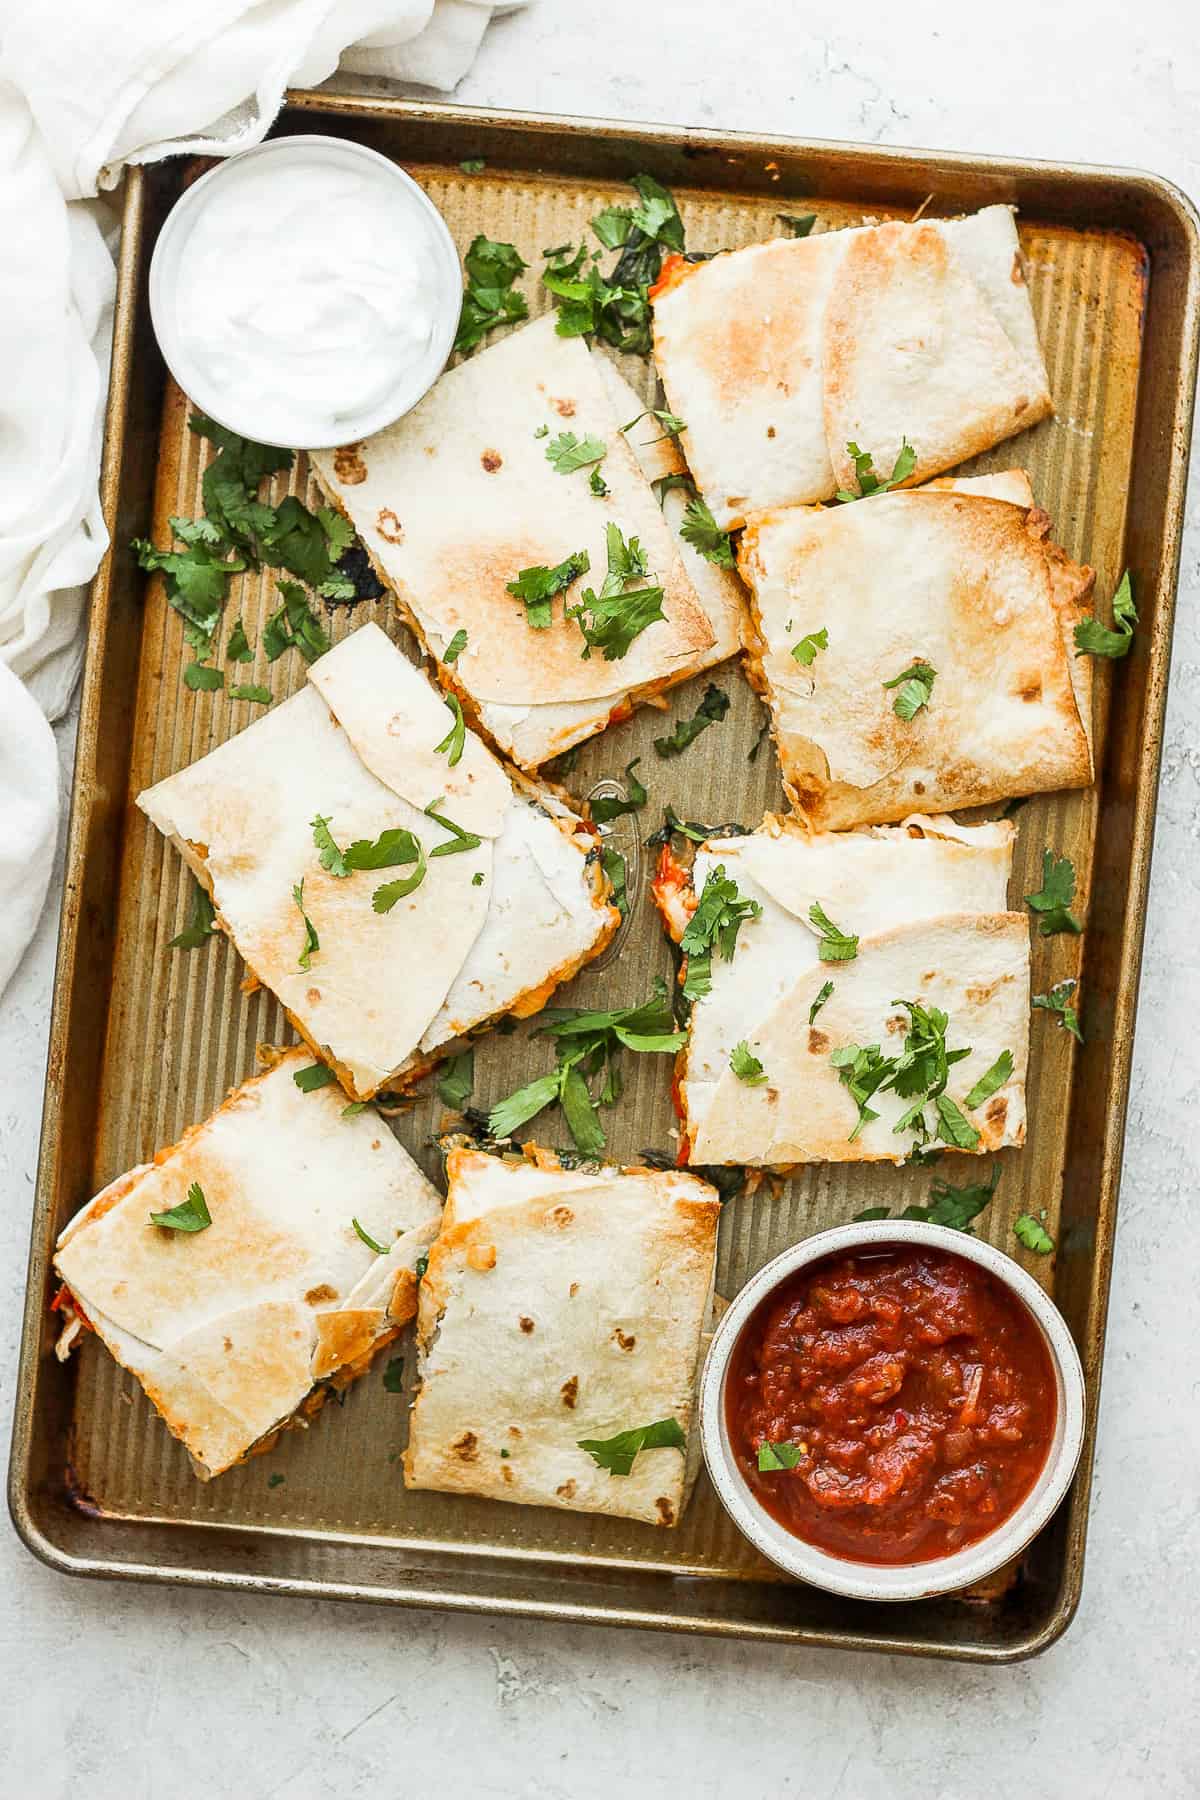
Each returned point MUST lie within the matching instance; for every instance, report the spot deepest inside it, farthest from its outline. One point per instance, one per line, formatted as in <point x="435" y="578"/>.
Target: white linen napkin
<point x="87" y="86"/>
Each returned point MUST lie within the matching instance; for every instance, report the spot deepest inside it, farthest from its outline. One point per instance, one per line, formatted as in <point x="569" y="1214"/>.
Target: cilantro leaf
<point x="1058" y="1001"/>
<point x="701" y="531"/>
<point x="202" y="921"/>
<point x="617" y="1454"/>
<point x="489" y="298"/>
<point x="473" y="165"/>
<point x="386" y="896"/>
<point x="452" y="744"/>
<point x="779" y="1456"/>
<point x="311" y="941"/>
<point x="864" y="472"/>
<point x="455" y="647"/>
<point x="1094" y="639"/>
<point x="613" y="226"/>
<point x="806" y="650"/>
<point x="456" y="1083"/>
<point x="671" y="425"/>
<point x="332" y="858"/>
<point x="294" y="626"/>
<point x="260" y="695"/>
<point x="296" y="540"/>
<point x="953" y="1207"/>
<point x="197" y="677"/>
<point x="1033" y="1234"/>
<point x="613" y="864"/>
<point x="355" y="1107"/>
<point x="719" y="916"/>
<point x="196" y="581"/>
<point x="459" y="839"/>
<point x="610" y="806"/>
<point x="836" y="945"/>
<point x="509" y="1115"/>
<point x="994" y="1078"/>
<point x="711" y="711"/>
<point x="368" y="1240"/>
<point x="393" y="848"/>
<point x="746" y="1065"/>
<point x="616" y="308"/>
<point x="314" y="1076"/>
<point x="538" y="585"/>
<point x="615" y="620"/>
<point x="1054" y="899"/>
<point x="919" y="1074"/>
<point x="916" y="688"/>
<point x="797" y="224"/>
<point x="579" y="1111"/>
<point x="393" y="1375"/>
<point x="953" y="1127"/>
<point x="191" y="1215"/>
<point x="823" y="995"/>
<point x="339" y="532"/>
<point x="598" y="485"/>
<point x="567" y="452"/>
<point x="238" y="648"/>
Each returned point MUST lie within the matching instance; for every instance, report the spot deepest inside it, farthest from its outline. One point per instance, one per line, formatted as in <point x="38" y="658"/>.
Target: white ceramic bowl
<point x="228" y="408"/>
<point x="898" y="1581"/>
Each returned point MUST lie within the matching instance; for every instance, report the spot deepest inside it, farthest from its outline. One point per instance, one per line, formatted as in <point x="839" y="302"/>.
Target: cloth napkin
<point x="87" y="86"/>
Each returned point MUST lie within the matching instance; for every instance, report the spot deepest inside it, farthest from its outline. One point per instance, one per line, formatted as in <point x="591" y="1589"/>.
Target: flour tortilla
<point x="953" y="577"/>
<point x="458" y="497"/>
<point x="868" y="882"/>
<point x="228" y="1329"/>
<point x="558" y="1306"/>
<point x="447" y="956"/>
<point x="974" y="966"/>
<point x="776" y="354"/>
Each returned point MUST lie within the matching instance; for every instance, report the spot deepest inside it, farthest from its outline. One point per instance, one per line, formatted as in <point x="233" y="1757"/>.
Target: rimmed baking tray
<point x="145" y="1040"/>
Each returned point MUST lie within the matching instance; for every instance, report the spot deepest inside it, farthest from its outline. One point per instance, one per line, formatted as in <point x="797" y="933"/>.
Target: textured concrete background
<point x="137" y="1693"/>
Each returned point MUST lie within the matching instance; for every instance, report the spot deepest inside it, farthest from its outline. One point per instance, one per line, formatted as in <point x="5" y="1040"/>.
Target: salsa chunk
<point x="891" y="1405"/>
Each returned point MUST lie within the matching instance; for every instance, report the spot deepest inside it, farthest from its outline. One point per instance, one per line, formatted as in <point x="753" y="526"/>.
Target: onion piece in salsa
<point x="914" y="1394"/>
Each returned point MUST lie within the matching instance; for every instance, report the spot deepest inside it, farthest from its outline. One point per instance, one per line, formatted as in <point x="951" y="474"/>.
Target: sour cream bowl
<point x="839" y="1572"/>
<point x="306" y="292"/>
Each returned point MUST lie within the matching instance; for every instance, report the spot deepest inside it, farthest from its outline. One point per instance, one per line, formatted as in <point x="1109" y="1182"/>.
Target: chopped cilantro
<point x="420" y="1266"/>
<point x="393" y="848"/>
<point x="919" y="1074"/>
<point x="715" y="924"/>
<point x="477" y="878"/>
<point x="332" y="859"/>
<point x="868" y="481"/>
<point x="953" y="1207"/>
<point x="458" y="840"/>
<point x="779" y="1456"/>
<point x="295" y="626"/>
<point x="473" y="165"/>
<point x="456" y="1082"/>
<point x="312" y="1077"/>
<point x="311" y="941"/>
<point x="489" y="298"/>
<point x="699" y="529"/>
<point x="567" y="452"/>
<point x="368" y="1240"/>
<point x="1033" y="1234"/>
<point x="1053" y="901"/>
<point x="806" y="650"/>
<point x="994" y="1078"/>
<point x="746" y="1065"/>
<point x="455" y="647"/>
<point x="617" y="617"/>
<point x="613" y="864"/>
<point x="611" y="806"/>
<point x="276" y="1480"/>
<point x="617" y="1454"/>
<point x="238" y="648"/>
<point x="191" y="1215"/>
<point x="197" y="676"/>
<point x="916" y="688"/>
<point x="393" y="1375"/>
<point x="261" y="696"/>
<point x="711" y="711"/>
<point x="355" y="1107"/>
<point x="598" y="485"/>
<point x="797" y="224"/>
<point x="537" y="586"/>
<point x="1059" y="1001"/>
<point x="452" y="744"/>
<point x="386" y="896"/>
<point x="617" y="308"/>
<point x="823" y="995"/>
<point x="202" y="921"/>
<point x="671" y="425"/>
<point x="835" y="945"/>
<point x="1094" y="639"/>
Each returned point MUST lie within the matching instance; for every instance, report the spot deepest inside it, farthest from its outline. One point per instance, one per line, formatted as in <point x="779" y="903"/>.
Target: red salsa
<point x="911" y="1390"/>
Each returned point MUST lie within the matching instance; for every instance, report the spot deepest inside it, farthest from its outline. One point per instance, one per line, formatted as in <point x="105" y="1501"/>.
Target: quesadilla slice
<point x="561" y="1314"/>
<point x="240" y="1326"/>
<point x="916" y="651"/>
<point x="780" y="354"/>
<point x="479" y="511"/>
<point x="880" y="942"/>
<point x="380" y="871"/>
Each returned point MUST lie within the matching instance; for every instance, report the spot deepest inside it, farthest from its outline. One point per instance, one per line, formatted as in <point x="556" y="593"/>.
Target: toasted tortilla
<point x="873" y="884"/>
<point x="452" y="954"/>
<point x="458" y="497"/>
<point x="776" y="354"/>
<point x="229" y="1328"/>
<point x="949" y="575"/>
<point x="561" y="1305"/>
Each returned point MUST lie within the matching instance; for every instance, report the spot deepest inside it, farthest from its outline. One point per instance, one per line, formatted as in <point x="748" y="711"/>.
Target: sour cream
<point x="305" y="293"/>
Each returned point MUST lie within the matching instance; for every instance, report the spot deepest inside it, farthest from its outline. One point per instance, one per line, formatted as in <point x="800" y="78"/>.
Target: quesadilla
<point x="241" y="1326"/>
<point x="911" y="943"/>
<point x="563" y="1309"/>
<point x="955" y="585"/>
<point x="779" y="355"/>
<point x="393" y="894"/>
<point x="460" y="499"/>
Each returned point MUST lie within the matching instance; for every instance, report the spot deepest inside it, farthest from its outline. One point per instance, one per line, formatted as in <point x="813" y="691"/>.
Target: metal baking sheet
<point x="144" y="1041"/>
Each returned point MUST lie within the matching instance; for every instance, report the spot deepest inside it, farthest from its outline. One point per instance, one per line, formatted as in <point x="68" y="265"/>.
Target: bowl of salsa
<point x="892" y="1410"/>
